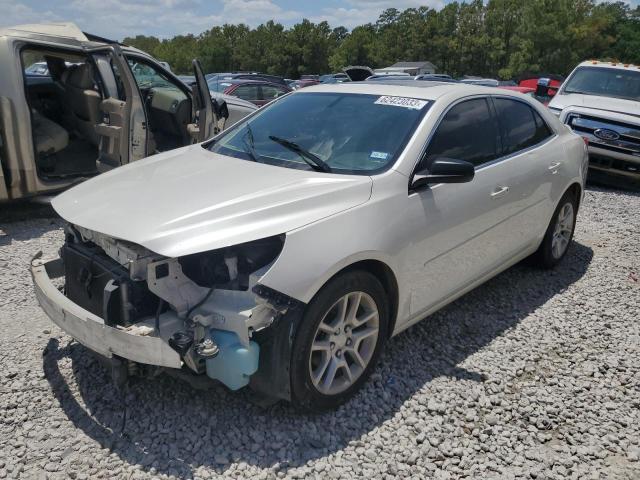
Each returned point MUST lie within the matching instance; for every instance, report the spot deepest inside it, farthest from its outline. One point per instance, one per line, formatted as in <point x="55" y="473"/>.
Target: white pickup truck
<point x="601" y="102"/>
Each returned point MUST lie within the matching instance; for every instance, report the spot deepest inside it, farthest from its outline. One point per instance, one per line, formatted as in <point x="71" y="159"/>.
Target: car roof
<point x="242" y="81"/>
<point x="409" y="88"/>
<point x="516" y="88"/>
<point x="66" y="30"/>
<point x="612" y="65"/>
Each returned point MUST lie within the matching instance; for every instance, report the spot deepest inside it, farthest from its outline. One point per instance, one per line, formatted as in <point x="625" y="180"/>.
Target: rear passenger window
<point x="246" y="92"/>
<point x="270" y="92"/>
<point x="522" y="125"/>
<point x="467" y="132"/>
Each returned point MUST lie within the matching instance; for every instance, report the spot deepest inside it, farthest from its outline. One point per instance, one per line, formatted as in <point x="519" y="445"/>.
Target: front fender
<point x="302" y="268"/>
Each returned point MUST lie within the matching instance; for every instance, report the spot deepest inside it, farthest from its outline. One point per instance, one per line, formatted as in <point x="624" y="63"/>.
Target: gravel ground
<point x="533" y="375"/>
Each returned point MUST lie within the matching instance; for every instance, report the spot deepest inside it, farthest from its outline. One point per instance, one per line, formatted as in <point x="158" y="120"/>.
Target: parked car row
<point x="258" y="92"/>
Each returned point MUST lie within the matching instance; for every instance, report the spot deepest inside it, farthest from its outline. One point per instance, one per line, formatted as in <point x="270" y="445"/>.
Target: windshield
<point x="348" y="133"/>
<point x="607" y="82"/>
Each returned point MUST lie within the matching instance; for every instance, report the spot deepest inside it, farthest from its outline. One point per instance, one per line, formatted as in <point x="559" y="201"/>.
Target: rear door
<point x="204" y="120"/>
<point x="531" y="164"/>
<point x="123" y="127"/>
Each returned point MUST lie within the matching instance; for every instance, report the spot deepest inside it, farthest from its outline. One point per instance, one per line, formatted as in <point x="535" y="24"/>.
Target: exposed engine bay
<point x="207" y="307"/>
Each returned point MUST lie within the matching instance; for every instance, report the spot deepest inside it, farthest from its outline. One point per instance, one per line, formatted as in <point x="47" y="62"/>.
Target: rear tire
<point x="559" y="234"/>
<point x="339" y="341"/>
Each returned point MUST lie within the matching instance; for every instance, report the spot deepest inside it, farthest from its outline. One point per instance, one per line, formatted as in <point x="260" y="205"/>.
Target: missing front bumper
<point x="89" y="329"/>
<point x="269" y="377"/>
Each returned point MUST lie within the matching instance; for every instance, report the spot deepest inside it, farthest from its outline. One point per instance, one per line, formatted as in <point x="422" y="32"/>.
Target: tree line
<point x="500" y="39"/>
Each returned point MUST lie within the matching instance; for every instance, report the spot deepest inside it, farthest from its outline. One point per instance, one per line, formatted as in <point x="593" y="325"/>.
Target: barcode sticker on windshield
<point x="404" y="102"/>
<point x="379" y="155"/>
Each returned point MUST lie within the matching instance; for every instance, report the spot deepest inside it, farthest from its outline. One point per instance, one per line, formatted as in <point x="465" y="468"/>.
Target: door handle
<point x="499" y="192"/>
<point x="553" y="168"/>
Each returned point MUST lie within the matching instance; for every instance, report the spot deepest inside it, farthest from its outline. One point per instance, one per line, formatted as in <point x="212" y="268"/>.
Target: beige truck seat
<point x="83" y="100"/>
<point x="49" y="137"/>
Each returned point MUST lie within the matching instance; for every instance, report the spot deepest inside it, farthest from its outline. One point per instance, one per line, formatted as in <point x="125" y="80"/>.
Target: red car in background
<point x="255" y="91"/>
<point x="546" y="85"/>
<point x="531" y="80"/>
<point x="535" y="92"/>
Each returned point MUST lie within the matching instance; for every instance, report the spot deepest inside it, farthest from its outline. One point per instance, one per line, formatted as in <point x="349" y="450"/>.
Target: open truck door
<point x="205" y="120"/>
<point x="123" y="124"/>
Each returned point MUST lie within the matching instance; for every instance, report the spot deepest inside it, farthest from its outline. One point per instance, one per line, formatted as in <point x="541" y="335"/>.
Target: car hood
<point x="190" y="200"/>
<point x="595" y="102"/>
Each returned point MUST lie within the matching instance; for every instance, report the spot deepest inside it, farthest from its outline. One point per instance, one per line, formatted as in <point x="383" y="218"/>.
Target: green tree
<point x="499" y="38"/>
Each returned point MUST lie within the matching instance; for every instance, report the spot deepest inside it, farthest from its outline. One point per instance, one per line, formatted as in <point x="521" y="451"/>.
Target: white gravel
<point x="534" y="375"/>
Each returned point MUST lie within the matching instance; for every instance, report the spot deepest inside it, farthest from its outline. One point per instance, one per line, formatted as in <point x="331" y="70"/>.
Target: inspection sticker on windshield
<point x="404" y="102"/>
<point x="379" y="155"/>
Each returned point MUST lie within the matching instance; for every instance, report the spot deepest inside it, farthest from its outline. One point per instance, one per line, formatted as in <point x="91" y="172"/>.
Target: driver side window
<point x="467" y="132"/>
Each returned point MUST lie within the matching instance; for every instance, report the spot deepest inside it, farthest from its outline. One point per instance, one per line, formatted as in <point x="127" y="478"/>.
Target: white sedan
<point x="283" y="253"/>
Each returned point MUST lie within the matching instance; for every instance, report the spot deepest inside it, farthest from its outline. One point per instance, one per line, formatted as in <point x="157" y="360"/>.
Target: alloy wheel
<point x="344" y="343"/>
<point x="562" y="231"/>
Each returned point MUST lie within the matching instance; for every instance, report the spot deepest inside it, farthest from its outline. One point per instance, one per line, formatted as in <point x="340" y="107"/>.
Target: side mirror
<point x="444" y="170"/>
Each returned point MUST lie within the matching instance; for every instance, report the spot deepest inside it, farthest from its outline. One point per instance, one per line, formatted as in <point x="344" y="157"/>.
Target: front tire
<point x="339" y="341"/>
<point x="559" y="234"/>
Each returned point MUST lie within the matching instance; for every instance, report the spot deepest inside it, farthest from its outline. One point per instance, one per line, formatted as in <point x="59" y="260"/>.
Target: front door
<point x="123" y="125"/>
<point x="458" y="227"/>
<point x="204" y="118"/>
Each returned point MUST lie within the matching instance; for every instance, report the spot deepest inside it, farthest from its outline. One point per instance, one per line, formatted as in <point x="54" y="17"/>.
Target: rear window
<point x="246" y="92"/>
<point x="521" y="125"/>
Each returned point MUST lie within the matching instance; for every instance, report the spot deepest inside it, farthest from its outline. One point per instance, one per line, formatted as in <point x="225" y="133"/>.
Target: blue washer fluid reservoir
<point x="235" y="363"/>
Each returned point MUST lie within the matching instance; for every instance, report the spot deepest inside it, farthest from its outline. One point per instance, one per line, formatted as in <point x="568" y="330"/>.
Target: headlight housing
<point x="229" y="268"/>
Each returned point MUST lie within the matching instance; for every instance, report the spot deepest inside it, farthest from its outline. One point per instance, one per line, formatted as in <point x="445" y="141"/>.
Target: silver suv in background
<point x="73" y="105"/>
<point x="601" y="102"/>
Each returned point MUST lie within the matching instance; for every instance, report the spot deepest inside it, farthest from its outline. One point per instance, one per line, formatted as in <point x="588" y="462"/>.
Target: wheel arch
<point x="576" y="190"/>
<point x="385" y="276"/>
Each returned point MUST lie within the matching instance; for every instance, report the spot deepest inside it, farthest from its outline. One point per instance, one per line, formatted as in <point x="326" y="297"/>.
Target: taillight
<point x="586" y="141"/>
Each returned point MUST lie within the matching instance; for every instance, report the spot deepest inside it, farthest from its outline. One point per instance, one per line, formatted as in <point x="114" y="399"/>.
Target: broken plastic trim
<point x="279" y="301"/>
<point x="273" y="378"/>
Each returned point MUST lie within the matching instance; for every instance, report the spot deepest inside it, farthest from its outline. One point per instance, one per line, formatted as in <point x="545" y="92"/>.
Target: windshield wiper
<point x="313" y="160"/>
<point x="250" y="145"/>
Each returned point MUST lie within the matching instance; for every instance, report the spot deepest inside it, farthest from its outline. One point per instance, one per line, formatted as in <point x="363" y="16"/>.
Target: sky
<point x="117" y="19"/>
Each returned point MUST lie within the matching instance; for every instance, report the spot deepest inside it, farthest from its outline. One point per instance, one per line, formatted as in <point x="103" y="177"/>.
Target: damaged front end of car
<point x="204" y="314"/>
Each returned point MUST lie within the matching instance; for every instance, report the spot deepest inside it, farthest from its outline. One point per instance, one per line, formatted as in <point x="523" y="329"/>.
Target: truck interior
<point x="168" y="107"/>
<point x="66" y="95"/>
<point x="64" y="101"/>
